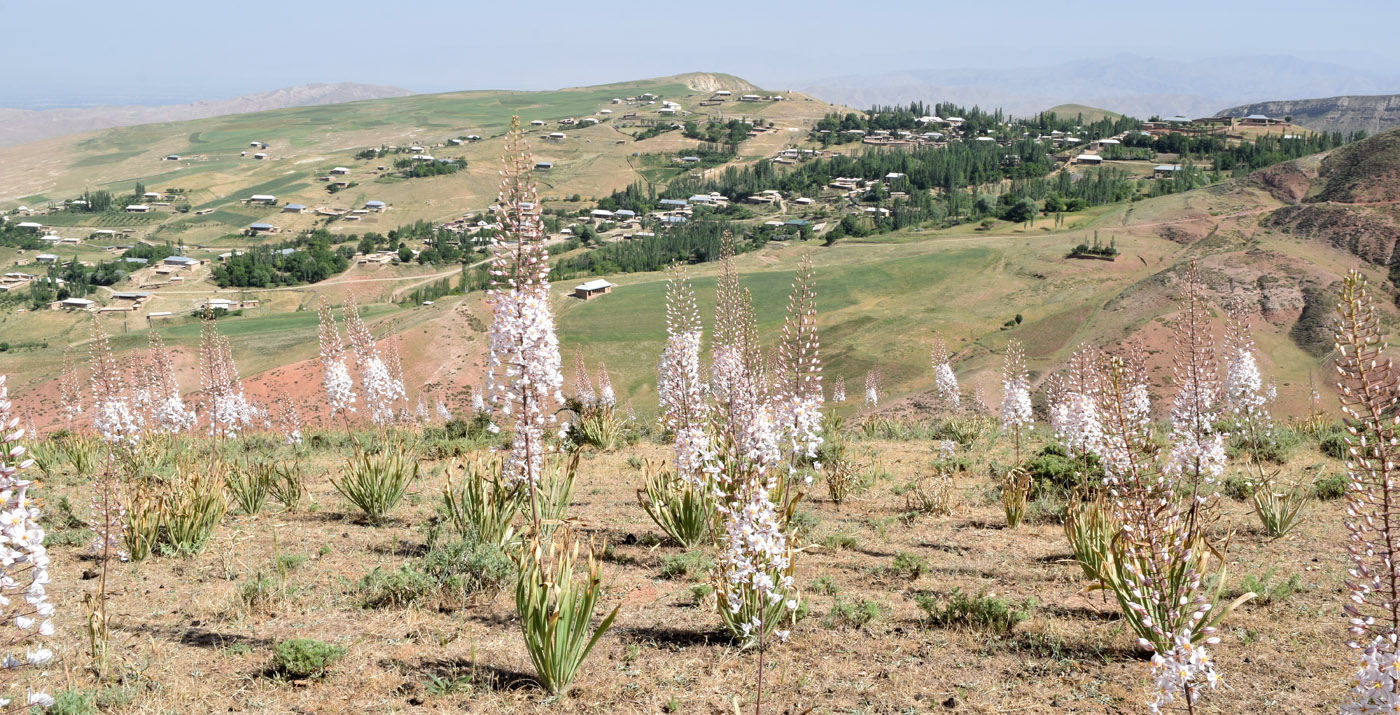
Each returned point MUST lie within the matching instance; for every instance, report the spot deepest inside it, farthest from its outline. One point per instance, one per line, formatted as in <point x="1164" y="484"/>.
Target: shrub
<point x="1054" y="472"/>
<point x="73" y="702"/>
<point x="1266" y="590"/>
<point x="839" y="540"/>
<point x="691" y="565"/>
<point x="399" y="588"/>
<point x="980" y="612"/>
<point x="467" y="569"/>
<point x="446" y="575"/>
<point x="909" y="566"/>
<point x="1332" y="486"/>
<point x="1334" y="445"/>
<point x="826" y="585"/>
<point x="259" y="592"/>
<point x="1237" y="487"/>
<point x="302" y="658"/>
<point x="854" y="615"/>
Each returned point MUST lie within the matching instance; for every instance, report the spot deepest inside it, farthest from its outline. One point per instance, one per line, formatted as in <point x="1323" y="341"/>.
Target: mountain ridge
<point x="1124" y="83"/>
<point x="1346" y="113"/>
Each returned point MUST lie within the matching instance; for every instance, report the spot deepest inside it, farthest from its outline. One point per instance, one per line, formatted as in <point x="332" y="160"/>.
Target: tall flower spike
<point x="838" y="390"/>
<point x="70" y="390"/>
<point x="606" y="397"/>
<point x="1370" y="390"/>
<point x="230" y="411"/>
<point x="1245" y="394"/>
<point x="1197" y="451"/>
<point x="726" y="355"/>
<point x="679" y="388"/>
<point x="1015" y="394"/>
<point x="1073" y="400"/>
<point x="944" y="380"/>
<point x="394" y="363"/>
<point x="381" y="390"/>
<point x="24" y="562"/>
<point x="114" y="417"/>
<point x="339" y="385"/>
<point x="287" y="420"/>
<point x="168" y="411"/>
<point x="583" y="386"/>
<point x="872" y="388"/>
<point x="1160" y="581"/>
<point x="523" y="378"/>
<point x="799" y="390"/>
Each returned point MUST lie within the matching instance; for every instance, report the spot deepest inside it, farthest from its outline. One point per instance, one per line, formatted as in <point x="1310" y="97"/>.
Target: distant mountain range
<point x="1130" y="84"/>
<point x="1371" y="114"/>
<point x="18" y="126"/>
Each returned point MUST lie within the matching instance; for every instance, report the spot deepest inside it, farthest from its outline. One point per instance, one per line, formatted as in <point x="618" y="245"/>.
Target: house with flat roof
<point x="181" y="261"/>
<point x="293" y="209"/>
<point x="75" y="304"/>
<point x="138" y="209"/>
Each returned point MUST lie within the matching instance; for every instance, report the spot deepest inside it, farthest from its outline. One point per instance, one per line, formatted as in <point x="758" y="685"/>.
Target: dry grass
<point x="184" y="642"/>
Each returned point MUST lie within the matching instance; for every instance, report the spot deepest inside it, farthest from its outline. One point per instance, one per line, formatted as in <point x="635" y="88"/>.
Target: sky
<point x="95" y="52"/>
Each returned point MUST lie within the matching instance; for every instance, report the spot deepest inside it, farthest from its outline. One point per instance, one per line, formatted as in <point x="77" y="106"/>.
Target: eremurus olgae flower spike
<point x="1370" y="388"/>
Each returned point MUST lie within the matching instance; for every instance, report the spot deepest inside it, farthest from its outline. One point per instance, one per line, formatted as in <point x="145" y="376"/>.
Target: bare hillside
<point x="18" y="126"/>
<point x="1370" y="114"/>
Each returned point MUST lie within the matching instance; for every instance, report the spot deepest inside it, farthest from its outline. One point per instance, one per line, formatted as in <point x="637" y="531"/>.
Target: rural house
<point x="592" y="289"/>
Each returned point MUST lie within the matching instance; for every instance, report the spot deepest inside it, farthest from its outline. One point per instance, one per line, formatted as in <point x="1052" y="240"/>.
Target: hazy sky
<point x="106" y="52"/>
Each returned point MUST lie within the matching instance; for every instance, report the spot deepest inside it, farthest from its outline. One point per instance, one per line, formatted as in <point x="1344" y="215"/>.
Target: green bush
<point x="980" y="612"/>
<point x="1332" y="486"/>
<point x="446" y="575"/>
<point x="1053" y="472"/>
<point x="301" y="658"/>
<point x="856" y="614"/>
<point x="908" y="566"/>
<point x="1267" y="590"/>
<point x="73" y="702"/>
<point x="691" y="564"/>
<point x="1273" y="447"/>
<point x="1237" y="488"/>
<point x="1334" y="445"/>
<point x="404" y="586"/>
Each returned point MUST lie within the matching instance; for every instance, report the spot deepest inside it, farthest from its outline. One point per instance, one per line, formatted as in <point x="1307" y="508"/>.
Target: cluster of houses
<point x="263" y="227"/>
<point x="1207" y="125"/>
